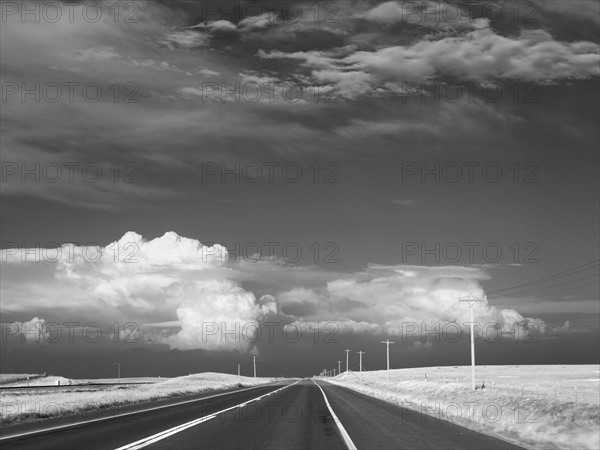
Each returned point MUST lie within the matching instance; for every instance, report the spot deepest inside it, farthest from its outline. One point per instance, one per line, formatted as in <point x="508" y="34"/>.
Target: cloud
<point x="216" y="27"/>
<point x="384" y="299"/>
<point x="170" y="276"/>
<point x="404" y="202"/>
<point x="587" y="10"/>
<point x="185" y="39"/>
<point x="299" y="302"/>
<point x="426" y="13"/>
<point x="187" y="295"/>
<point x="479" y="55"/>
<point x="208" y="72"/>
<point x="32" y="331"/>
<point x="257" y="22"/>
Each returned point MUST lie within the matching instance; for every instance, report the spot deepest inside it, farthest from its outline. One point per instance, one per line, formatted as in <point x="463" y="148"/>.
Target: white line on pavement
<point x="179" y="428"/>
<point x="337" y="421"/>
<point x="114" y="417"/>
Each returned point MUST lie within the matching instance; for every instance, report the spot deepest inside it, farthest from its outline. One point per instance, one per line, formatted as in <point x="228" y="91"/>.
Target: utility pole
<point x="471" y="299"/>
<point x="360" y="362"/>
<point x="238" y="369"/>
<point x="387" y="342"/>
<point x="347" y="352"/>
<point x="254" y="366"/>
<point x="118" y="371"/>
<point x="339" y="367"/>
<point x="334" y="372"/>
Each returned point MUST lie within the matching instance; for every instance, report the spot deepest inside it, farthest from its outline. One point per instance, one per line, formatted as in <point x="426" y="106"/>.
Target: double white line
<point x="179" y="428"/>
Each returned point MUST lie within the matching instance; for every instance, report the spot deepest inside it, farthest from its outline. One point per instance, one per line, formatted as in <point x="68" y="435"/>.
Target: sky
<point x="187" y="185"/>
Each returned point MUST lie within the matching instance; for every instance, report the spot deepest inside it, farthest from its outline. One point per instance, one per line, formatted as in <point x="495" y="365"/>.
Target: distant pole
<point x="347" y="352"/>
<point x="339" y="367"/>
<point x="118" y="371"/>
<point x="334" y="372"/>
<point x="360" y="362"/>
<point x="387" y="342"/>
<point x="471" y="299"/>
<point x="254" y="366"/>
<point x="238" y="369"/>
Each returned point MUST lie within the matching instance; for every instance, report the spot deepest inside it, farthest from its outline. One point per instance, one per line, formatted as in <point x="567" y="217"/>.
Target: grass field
<point x="538" y="407"/>
<point x="41" y="402"/>
<point x="14" y="378"/>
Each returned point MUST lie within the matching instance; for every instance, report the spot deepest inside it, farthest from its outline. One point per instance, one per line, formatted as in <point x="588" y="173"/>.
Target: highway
<point x="303" y="414"/>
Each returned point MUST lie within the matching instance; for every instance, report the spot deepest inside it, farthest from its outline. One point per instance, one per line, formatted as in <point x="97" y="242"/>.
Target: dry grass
<point x="11" y="378"/>
<point x="41" y="403"/>
<point x="534" y="406"/>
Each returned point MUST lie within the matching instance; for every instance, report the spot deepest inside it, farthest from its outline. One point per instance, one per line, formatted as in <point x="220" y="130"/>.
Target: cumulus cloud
<point x="384" y="299"/>
<point x="160" y="278"/>
<point x="32" y="331"/>
<point x="299" y="302"/>
<point x="188" y="296"/>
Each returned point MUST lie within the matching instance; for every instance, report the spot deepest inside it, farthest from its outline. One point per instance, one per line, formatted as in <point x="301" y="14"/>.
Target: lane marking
<point x="337" y="421"/>
<point x="117" y="416"/>
<point x="179" y="428"/>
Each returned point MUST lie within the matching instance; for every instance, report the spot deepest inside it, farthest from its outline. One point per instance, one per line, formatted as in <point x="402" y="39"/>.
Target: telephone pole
<point x="360" y="362"/>
<point x="387" y="342"/>
<point x="472" y="299"/>
<point x="347" y="352"/>
<point x="339" y="367"/>
<point x="254" y="366"/>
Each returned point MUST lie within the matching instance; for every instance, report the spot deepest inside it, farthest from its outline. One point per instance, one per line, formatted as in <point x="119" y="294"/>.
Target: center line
<point x="179" y="428"/>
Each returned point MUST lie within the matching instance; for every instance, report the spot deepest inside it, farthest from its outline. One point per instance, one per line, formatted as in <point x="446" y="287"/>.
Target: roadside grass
<point x="531" y="411"/>
<point x="41" y="403"/>
<point x="9" y="378"/>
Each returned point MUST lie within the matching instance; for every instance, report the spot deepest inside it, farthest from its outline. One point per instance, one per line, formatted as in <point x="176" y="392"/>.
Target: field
<point x="15" y="378"/>
<point x="48" y="400"/>
<point x="538" y="407"/>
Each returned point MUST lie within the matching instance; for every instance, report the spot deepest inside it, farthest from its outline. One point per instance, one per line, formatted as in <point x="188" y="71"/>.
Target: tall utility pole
<point x="387" y="342"/>
<point x="360" y="362"/>
<point x="339" y="367"/>
<point x="472" y="299"/>
<point x="254" y="366"/>
<point x="347" y="352"/>
<point x="118" y="371"/>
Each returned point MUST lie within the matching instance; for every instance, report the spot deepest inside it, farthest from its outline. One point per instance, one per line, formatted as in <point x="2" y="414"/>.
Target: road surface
<point x="303" y="414"/>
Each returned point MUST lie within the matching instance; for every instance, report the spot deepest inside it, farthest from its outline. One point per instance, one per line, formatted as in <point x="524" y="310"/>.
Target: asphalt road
<point x="291" y="415"/>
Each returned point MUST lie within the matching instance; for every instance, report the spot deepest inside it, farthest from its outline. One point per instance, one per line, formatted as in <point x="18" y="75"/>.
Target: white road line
<point x="179" y="428"/>
<point x="337" y="421"/>
<point x="113" y="417"/>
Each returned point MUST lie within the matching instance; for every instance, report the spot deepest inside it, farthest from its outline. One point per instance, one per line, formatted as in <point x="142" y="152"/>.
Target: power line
<point x="564" y="273"/>
<point x="553" y="293"/>
<point x="549" y="287"/>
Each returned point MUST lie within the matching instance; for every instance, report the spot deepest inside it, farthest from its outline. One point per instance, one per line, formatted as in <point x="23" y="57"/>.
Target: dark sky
<point x="406" y="159"/>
